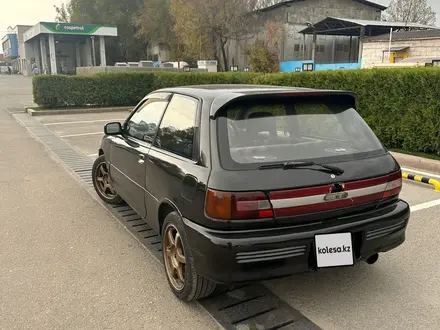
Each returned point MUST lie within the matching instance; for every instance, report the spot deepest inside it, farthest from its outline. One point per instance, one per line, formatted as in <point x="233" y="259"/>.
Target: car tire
<point x="192" y="286"/>
<point x="102" y="182"/>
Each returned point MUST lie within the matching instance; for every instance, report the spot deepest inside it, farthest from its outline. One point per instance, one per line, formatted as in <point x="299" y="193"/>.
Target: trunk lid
<point x="264" y="131"/>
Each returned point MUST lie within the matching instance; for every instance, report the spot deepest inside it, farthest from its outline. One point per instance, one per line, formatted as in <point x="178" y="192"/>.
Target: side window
<point x="176" y="133"/>
<point x="143" y="124"/>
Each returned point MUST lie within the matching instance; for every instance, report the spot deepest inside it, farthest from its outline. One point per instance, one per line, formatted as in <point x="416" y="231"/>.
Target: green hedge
<point x="119" y="89"/>
<point x="402" y="106"/>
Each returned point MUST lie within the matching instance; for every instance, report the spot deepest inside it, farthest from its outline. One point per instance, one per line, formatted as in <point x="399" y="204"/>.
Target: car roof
<point x="220" y="95"/>
<point x="212" y="91"/>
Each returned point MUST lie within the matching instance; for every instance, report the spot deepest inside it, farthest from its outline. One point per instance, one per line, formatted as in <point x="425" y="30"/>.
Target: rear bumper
<point x="237" y="257"/>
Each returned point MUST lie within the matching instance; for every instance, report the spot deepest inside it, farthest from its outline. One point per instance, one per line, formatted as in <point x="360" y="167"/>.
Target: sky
<point x="30" y="12"/>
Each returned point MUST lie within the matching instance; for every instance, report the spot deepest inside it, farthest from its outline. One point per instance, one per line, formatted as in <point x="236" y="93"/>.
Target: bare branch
<point x="411" y="11"/>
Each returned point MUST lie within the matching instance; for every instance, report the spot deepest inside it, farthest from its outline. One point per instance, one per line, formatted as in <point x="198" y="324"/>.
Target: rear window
<point x="267" y="130"/>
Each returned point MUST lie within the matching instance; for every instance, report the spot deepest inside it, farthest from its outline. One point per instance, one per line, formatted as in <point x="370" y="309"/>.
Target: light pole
<point x="389" y="45"/>
<point x="310" y="24"/>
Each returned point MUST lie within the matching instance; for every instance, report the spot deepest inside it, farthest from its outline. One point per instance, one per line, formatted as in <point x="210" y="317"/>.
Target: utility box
<point x="210" y="65"/>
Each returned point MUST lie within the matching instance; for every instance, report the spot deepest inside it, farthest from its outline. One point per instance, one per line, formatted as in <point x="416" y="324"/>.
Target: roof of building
<point x="407" y="35"/>
<point x="396" y="49"/>
<point x="373" y="4"/>
<point x="286" y="3"/>
<point x="351" y="27"/>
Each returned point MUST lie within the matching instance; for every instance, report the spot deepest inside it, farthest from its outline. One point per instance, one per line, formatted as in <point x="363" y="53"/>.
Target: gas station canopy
<point x="62" y="47"/>
<point x="71" y="29"/>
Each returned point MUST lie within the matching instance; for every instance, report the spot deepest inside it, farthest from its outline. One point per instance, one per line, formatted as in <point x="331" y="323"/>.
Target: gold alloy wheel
<point x="103" y="181"/>
<point x="174" y="257"/>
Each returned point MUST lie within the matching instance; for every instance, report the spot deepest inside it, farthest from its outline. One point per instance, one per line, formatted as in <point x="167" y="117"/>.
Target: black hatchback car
<point x="246" y="183"/>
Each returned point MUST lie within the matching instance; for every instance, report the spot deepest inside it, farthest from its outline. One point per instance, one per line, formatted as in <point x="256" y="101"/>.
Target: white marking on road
<point x="83" y="122"/>
<point x="410" y="171"/>
<point x="82" y="134"/>
<point x="425" y="206"/>
<point x="92" y="155"/>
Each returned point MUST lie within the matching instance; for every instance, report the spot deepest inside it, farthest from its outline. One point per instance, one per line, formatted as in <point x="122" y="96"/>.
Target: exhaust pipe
<point x="371" y="260"/>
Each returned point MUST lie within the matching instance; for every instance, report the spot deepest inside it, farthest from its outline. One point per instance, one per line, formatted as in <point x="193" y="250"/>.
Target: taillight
<point x="237" y="206"/>
<point x="394" y="185"/>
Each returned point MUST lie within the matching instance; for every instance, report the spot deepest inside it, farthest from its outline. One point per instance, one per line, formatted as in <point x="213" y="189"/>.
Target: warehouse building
<point x="298" y="15"/>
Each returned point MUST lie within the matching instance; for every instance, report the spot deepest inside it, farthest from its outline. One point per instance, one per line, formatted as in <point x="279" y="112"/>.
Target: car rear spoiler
<point x="222" y="101"/>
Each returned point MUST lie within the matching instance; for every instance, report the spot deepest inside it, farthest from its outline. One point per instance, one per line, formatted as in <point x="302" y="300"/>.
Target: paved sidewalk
<point x="65" y="263"/>
<point x="420" y="163"/>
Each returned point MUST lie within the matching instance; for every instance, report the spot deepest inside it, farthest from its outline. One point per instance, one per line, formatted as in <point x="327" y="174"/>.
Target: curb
<point x="425" y="164"/>
<point x="34" y="113"/>
<point x="422" y="179"/>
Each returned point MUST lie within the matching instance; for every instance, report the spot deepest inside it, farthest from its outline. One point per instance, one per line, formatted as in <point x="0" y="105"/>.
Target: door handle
<point x="141" y="159"/>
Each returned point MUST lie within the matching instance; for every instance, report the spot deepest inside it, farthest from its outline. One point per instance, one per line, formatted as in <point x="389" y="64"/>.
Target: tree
<point x="198" y="28"/>
<point x="206" y="26"/>
<point x="411" y="11"/>
<point x="63" y="13"/>
<point x="263" y="55"/>
<point x="126" y="46"/>
<point x="155" y="24"/>
<point x="191" y="30"/>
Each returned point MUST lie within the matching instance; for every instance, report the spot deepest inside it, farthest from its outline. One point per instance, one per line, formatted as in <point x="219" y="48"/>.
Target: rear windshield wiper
<point x="292" y="165"/>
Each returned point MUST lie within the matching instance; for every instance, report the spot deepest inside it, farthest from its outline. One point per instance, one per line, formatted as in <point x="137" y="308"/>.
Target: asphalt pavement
<point x="66" y="263"/>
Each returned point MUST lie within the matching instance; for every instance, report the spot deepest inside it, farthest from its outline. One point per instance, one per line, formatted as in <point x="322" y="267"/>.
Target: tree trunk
<point x="225" y="59"/>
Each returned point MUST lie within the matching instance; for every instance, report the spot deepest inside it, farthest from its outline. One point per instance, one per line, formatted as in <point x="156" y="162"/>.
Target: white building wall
<point x="27" y="61"/>
<point x="20" y="39"/>
<point x="373" y="50"/>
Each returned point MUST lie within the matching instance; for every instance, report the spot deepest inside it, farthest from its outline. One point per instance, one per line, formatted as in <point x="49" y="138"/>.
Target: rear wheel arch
<point x="165" y="208"/>
<point x="100" y="152"/>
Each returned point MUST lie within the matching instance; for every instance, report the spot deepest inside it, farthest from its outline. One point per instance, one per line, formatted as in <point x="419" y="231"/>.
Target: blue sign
<point x="10" y="47"/>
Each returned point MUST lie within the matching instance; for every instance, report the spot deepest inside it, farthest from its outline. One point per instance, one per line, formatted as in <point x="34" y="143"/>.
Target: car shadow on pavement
<point x="328" y="285"/>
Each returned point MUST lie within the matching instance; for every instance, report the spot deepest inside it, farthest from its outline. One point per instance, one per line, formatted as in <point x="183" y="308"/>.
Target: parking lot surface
<point x="65" y="266"/>
<point x="83" y="131"/>
<point x="65" y="263"/>
<point x="394" y="293"/>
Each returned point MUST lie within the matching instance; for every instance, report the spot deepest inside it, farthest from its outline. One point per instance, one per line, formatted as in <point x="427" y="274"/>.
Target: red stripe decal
<point x="326" y="206"/>
<point x="366" y="183"/>
<point x="322" y="190"/>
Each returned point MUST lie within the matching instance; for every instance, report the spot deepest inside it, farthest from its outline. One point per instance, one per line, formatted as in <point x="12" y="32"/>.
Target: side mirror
<point x="113" y="129"/>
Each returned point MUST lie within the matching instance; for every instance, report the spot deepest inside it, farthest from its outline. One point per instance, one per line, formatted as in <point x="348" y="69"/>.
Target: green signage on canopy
<point x="81" y="29"/>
